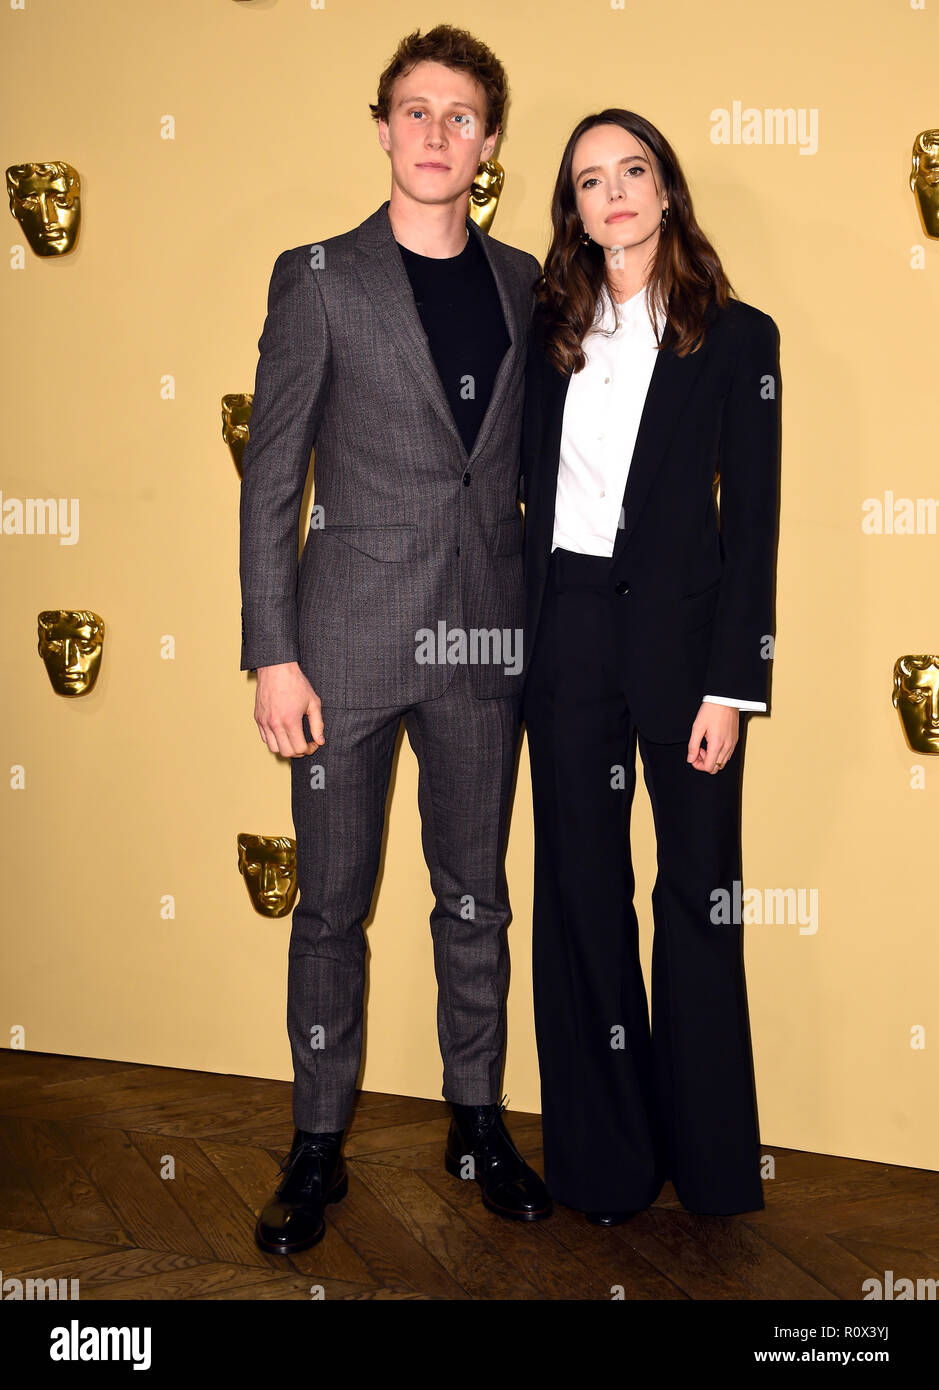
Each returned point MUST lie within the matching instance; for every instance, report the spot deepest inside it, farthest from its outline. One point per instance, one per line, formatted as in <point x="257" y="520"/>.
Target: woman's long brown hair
<point x="686" y="276"/>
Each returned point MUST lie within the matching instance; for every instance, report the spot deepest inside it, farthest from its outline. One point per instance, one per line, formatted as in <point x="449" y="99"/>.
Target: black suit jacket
<point x="693" y="590"/>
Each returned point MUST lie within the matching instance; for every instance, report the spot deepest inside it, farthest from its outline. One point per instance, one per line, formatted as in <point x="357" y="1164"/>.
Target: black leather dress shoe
<point x="509" y="1187"/>
<point x="315" y="1175"/>
<point x="609" y="1218"/>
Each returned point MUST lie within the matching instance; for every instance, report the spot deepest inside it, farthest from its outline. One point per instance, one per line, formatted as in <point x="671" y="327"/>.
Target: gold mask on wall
<point x="45" y="199"/>
<point x="268" y="865"/>
<point x="916" y="697"/>
<point x="70" y="644"/>
<point x="924" y="179"/>
<point x="236" y="417"/>
<point x="484" y="193"/>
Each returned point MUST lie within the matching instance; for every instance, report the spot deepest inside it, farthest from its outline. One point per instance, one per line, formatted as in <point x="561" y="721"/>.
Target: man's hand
<point x="720" y="726"/>
<point x="284" y="696"/>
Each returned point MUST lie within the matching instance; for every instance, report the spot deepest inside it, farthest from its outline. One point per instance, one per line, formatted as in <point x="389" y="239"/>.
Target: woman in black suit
<point x="649" y="617"/>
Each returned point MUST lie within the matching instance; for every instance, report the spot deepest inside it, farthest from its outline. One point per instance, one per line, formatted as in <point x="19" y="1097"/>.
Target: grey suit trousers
<point x="466" y="750"/>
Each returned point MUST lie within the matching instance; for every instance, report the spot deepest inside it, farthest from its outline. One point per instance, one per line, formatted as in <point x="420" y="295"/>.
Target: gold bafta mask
<point x="484" y="193"/>
<point x="268" y="865"/>
<point x="236" y="417"/>
<point x="45" y="199"/>
<point x="70" y="644"/>
<point x="916" y="697"/>
<point x="924" y="179"/>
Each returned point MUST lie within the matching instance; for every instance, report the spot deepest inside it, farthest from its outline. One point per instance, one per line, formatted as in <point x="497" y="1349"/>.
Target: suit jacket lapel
<point x="386" y="282"/>
<point x="546" y="451"/>
<point x="672" y="379"/>
<point x="514" y="328"/>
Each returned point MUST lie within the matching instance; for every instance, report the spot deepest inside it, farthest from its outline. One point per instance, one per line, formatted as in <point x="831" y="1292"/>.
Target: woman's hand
<point x="719" y="725"/>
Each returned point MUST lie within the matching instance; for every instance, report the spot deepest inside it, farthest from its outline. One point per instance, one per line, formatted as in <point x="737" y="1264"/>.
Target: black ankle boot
<point x="315" y="1175"/>
<point x="509" y="1187"/>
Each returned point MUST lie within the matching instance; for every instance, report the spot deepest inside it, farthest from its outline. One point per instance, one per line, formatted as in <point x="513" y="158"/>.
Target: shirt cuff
<point x="735" y="704"/>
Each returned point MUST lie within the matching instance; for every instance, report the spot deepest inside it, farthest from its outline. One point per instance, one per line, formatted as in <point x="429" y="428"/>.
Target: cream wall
<point x="139" y="790"/>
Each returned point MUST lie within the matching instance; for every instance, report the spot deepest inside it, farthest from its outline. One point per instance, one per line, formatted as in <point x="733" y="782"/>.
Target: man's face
<point x="435" y="133"/>
<point x="48" y="211"/>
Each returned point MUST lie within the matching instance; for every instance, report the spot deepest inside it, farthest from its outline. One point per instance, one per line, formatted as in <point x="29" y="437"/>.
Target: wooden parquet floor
<point x="84" y="1146"/>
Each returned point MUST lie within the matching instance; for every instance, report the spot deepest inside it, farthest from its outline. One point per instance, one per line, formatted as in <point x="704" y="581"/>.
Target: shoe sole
<point x="335" y="1194"/>
<point x="452" y="1166"/>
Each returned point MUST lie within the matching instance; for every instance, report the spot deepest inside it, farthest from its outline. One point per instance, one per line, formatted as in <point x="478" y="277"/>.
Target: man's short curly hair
<point x="454" y="48"/>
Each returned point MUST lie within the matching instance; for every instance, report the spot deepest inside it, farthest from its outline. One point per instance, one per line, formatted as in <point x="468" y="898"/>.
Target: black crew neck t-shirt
<point x="461" y="313"/>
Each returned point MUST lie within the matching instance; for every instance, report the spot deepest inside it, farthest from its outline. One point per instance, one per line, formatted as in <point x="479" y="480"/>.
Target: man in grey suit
<point x="398" y="350"/>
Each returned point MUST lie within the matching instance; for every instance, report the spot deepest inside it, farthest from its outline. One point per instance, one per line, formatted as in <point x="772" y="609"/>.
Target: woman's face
<point x="617" y="187"/>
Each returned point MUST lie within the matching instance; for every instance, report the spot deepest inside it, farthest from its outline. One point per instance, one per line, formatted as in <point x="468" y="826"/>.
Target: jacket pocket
<point x="697" y="609"/>
<point x="506" y="537"/>
<point x="386" y="543"/>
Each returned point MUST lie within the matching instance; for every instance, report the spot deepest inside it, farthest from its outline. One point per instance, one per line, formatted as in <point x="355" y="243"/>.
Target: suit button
<point x="466" y="480"/>
<point x="622" y="587"/>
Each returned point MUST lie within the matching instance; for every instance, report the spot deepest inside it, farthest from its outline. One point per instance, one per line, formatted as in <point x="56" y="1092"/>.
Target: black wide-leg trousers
<point x="625" y="1106"/>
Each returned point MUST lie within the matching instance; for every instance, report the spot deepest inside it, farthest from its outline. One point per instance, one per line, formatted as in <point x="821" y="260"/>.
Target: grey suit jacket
<point x="416" y="535"/>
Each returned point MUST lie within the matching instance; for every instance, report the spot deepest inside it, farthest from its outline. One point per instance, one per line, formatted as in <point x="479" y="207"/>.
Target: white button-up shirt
<point x="602" y="412"/>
